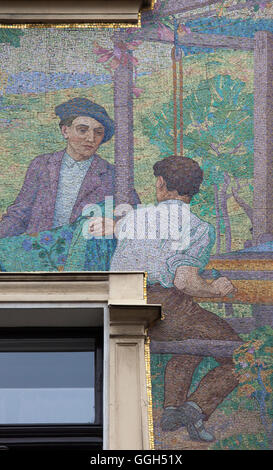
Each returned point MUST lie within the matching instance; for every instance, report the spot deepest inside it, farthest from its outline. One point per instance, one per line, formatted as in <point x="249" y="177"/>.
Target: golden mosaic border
<point x="149" y="392"/>
<point x="148" y="375"/>
<point x="145" y="286"/>
<point x="72" y="25"/>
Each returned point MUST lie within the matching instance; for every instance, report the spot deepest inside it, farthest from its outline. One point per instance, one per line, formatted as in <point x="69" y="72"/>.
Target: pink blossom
<point x="100" y="50"/>
<point x="105" y="57"/>
<point x="114" y="64"/>
<point x="137" y="91"/>
<point x="133" y="45"/>
<point x="164" y="33"/>
<point x="120" y="55"/>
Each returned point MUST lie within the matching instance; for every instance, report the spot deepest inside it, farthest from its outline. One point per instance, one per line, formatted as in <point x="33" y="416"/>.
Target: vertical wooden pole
<point x="174" y="101"/>
<point x="124" y="130"/>
<point x="181" y="104"/>
<point x="263" y="136"/>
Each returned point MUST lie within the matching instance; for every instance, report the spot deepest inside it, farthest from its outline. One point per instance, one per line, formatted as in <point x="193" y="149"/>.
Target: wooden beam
<point x="262" y="315"/>
<point x="242" y="325"/>
<point x="214" y="41"/>
<point x="214" y="13"/>
<point x="196" y="347"/>
<point x="217" y="41"/>
<point x="263" y="136"/>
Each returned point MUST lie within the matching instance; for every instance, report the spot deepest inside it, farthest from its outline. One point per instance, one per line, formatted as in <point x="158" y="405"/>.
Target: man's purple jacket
<point x="33" y="209"/>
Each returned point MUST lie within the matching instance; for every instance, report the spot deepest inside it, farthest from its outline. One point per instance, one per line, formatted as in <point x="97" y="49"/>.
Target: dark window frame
<point x="55" y="436"/>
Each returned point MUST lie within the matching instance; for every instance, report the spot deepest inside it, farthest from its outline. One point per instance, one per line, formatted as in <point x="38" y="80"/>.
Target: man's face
<point x="84" y="136"/>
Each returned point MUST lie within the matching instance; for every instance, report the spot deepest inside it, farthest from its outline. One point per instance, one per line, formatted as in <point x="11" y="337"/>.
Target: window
<point x="51" y="387"/>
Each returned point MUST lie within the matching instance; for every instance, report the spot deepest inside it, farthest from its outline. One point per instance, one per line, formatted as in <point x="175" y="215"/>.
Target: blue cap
<point x="84" y="107"/>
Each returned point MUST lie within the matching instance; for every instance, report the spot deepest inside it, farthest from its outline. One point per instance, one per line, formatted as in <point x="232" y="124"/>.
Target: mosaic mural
<point x="151" y="149"/>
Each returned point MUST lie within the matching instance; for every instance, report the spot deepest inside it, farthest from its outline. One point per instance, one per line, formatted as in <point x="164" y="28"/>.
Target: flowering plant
<point x="51" y="246"/>
<point x="254" y="369"/>
<point x="121" y="54"/>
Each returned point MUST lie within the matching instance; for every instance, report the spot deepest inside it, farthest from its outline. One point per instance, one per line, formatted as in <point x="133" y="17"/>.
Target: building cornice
<point x="111" y="13"/>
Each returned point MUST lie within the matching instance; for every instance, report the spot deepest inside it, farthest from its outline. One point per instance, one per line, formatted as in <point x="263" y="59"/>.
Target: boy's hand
<point x="223" y="287"/>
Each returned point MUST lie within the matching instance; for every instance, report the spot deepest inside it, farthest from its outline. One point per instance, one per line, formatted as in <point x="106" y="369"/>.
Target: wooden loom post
<point x="175" y="130"/>
<point x="263" y="137"/>
<point x="124" y="128"/>
<point x="174" y="102"/>
<point x="181" y="103"/>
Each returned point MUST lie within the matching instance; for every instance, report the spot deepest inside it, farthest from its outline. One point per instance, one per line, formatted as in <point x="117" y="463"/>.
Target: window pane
<point x="47" y="387"/>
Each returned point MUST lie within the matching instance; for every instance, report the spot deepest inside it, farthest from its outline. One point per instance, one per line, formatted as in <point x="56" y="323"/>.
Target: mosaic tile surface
<point x="195" y="83"/>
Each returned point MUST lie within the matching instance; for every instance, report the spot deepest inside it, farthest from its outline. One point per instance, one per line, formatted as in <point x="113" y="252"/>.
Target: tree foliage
<point x="218" y="132"/>
<point x="11" y="36"/>
<point x="218" y="125"/>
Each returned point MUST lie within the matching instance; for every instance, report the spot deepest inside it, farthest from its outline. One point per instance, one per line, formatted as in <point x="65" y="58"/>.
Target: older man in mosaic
<point x="59" y="185"/>
<point x="173" y="269"/>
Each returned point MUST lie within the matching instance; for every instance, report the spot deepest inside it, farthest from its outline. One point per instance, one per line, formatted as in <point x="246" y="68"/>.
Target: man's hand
<point x="223" y="287"/>
<point x="100" y="227"/>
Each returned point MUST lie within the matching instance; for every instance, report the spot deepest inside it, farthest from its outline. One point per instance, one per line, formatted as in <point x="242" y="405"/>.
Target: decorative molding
<point x="83" y="14"/>
<point x="117" y="288"/>
<point x="130" y="407"/>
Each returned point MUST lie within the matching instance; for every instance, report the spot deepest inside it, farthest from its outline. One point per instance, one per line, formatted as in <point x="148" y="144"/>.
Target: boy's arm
<point x="188" y="281"/>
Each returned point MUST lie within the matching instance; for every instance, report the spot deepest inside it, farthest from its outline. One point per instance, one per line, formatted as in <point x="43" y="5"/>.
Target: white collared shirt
<point x="152" y="239"/>
<point x="72" y="174"/>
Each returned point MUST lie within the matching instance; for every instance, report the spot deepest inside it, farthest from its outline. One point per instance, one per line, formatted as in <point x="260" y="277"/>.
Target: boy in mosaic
<point x="173" y="279"/>
<point x="59" y="185"/>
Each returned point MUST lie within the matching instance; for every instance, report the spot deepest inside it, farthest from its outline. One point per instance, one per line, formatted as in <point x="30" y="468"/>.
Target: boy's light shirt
<point x="72" y="174"/>
<point x="159" y="239"/>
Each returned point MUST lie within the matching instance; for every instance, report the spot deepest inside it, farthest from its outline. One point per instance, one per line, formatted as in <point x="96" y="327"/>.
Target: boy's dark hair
<point x="180" y="173"/>
<point x="67" y="122"/>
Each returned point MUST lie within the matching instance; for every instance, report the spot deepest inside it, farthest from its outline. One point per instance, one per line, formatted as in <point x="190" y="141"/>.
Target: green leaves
<point x="254" y="368"/>
<point x="218" y="120"/>
<point x="257" y="441"/>
<point x="218" y="126"/>
<point x="50" y="248"/>
<point x="11" y="36"/>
